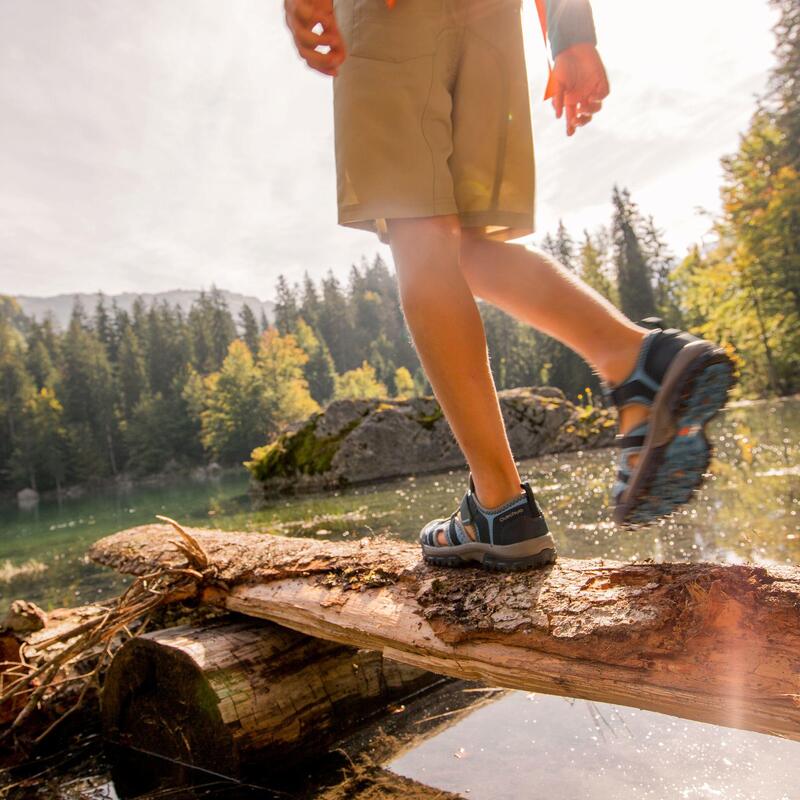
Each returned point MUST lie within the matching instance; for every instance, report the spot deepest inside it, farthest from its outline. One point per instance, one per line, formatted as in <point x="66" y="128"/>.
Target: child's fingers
<point x="572" y="116"/>
<point x="558" y="100"/>
<point x="322" y="62"/>
<point x="302" y="16"/>
<point x="590" y="106"/>
<point x="307" y="38"/>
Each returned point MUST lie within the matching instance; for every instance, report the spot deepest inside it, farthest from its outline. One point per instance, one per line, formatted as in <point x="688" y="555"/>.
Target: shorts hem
<point x="498" y="225"/>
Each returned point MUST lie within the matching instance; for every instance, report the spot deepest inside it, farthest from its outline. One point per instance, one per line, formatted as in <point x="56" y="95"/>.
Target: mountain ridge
<point x="60" y="305"/>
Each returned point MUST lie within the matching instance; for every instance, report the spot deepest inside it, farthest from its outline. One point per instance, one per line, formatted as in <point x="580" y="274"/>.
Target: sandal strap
<point x="639" y="386"/>
<point x="495" y="527"/>
<point x="469" y="510"/>
<point x="452" y="536"/>
<point x="659" y="347"/>
<point x="634" y="438"/>
<point x="630" y="441"/>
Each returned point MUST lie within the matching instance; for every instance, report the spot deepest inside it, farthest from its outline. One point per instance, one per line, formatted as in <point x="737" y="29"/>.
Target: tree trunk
<point x="112" y="460"/>
<point x="771" y="371"/>
<point x="236" y="695"/>
<point x="712" y="642"/>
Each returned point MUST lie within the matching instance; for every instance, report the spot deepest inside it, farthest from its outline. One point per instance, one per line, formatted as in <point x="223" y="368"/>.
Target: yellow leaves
<point x="275" y="352"/>
<point x="404" y="383"/>
<point x="359" y="384"/>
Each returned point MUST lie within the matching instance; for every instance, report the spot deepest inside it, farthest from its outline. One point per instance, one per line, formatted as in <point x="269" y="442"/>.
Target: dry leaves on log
<point x="26" y="685"/>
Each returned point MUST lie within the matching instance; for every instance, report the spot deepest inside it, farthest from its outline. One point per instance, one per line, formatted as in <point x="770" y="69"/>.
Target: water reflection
<point x="546" y="747"/>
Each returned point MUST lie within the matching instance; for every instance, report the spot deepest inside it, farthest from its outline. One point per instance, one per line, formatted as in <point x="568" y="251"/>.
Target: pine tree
<point x="319" y="370"/>
<point x="564" y="247"/>
<point x="513" y="354"/>
<point x="592" y="270"/>
<point x="87" y="392"/>
<point x="309" y="308"/>
<point x="104" y="327"/>
<point x="661" y="264"/>
<point x="285" y="311"/>
<point x="16" y="387"/>
<point x="223" y="327"/>
<point x="334" y="322"/>
<point x="556" y="363"/>
<point x="250" y="332"/>
<point x="633" y="275"/>
<point x="783" y="94"/>
<point x="42" y="354"/>
<point x="211" y="330"/>
<point x="549" y="245"/>
<point x="131" y="373"/>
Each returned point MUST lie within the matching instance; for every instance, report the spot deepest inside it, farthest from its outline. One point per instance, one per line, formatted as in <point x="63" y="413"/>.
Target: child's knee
<point x="440" y="231"/>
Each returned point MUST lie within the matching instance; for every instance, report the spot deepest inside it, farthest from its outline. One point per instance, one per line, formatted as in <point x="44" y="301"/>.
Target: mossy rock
<point x="429" y="420"/>
<point x="298" y="452"/>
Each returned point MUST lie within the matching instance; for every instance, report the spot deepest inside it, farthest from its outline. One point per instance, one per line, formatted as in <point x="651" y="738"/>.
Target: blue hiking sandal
<point x="685" y="380"/>
<point x="510" y="537"/>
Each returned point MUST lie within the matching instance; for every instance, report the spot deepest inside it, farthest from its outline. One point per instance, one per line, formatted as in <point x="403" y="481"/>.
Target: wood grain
<point x="711" y="642"/>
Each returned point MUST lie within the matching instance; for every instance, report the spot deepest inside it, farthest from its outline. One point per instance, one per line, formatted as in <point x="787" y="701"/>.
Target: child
<point x="434" y="154"/>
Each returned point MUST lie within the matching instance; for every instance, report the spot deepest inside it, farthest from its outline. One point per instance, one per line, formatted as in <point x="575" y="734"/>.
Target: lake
<point x="542" y="746"/>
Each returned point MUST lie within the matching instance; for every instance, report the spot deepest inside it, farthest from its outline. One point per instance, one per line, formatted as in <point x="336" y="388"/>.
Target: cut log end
<point x="235" y="694"/>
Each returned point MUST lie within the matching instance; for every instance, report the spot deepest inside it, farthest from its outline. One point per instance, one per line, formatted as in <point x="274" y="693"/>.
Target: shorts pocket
<point x="408" y="30"/>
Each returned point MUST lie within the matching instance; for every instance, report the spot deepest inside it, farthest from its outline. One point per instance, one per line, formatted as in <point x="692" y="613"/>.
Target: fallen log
<point x="710" y="642"/>
<point x="235" y="696"/>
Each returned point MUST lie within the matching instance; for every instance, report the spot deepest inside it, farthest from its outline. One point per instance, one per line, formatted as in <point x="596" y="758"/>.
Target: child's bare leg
<point x="449" y="337"/>
<point x="535" y="288"/>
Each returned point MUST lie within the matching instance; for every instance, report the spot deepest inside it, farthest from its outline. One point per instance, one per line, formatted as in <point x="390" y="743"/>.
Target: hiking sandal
<point x="510" y="537"/>
<point x="685" y="380"/>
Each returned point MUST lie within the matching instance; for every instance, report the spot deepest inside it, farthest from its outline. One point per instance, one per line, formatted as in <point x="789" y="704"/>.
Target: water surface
<point x="523" y="745"/>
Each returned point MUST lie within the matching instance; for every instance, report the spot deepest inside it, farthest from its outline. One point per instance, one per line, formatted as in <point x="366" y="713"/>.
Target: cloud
<point x="152" y="145"/>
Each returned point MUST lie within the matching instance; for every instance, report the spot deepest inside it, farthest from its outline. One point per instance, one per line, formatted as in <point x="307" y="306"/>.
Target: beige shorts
<point x="432" y="115"/>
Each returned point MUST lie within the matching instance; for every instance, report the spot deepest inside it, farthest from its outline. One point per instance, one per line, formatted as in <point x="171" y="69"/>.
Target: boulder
<point x="27" y="498"/>
<point x="362" y="441"/>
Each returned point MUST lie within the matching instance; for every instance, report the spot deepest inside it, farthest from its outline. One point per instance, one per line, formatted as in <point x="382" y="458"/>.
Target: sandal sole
<point x="671" y="471"/>
<point x="533" y="553"/>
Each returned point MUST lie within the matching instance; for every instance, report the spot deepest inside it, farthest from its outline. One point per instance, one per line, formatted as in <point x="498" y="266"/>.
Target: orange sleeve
<point x="541" y="8"/>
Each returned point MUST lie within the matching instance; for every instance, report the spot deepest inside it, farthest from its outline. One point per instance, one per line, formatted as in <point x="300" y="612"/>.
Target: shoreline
<point x="209" y="472"/>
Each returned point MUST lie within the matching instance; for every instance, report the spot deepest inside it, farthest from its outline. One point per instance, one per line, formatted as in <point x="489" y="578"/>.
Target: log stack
<point x="710" y="642"/>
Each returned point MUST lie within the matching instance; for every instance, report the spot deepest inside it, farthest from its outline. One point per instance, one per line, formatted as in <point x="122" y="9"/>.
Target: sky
<point x="151" y="145"/>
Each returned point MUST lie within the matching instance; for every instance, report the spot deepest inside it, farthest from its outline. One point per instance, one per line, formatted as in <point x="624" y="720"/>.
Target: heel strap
<point x="639" y="386"/>
<point x="483" y="519"/>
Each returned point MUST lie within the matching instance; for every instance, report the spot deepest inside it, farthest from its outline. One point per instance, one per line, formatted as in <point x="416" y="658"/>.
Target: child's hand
<point x="580" y="84"/>
<point x="301" y="17"/>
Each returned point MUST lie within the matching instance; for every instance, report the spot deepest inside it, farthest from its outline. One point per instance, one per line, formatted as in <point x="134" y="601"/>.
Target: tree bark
<point x="236" y="697"/>
<point x="710" y="642"/>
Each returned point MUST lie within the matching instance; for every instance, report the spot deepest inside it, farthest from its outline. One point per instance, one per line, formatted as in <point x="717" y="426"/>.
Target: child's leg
<point x="448" y="334"/>
<point x="533" y="287"/>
